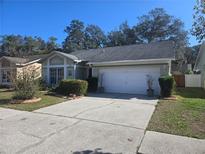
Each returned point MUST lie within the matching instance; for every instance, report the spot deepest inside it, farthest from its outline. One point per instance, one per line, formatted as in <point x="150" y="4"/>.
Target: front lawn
<point x="6" y="97"/>
<point x="185" y="116"/>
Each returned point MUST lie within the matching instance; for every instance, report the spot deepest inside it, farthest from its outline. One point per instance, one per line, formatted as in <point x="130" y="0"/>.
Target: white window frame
<point x="56" y="74"/>
<point x="7" y="77"/>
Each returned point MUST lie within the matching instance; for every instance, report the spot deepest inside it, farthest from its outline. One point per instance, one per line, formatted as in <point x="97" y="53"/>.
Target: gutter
<point x="31" y="62"/>
<point x="77" y="61"/>
<point x="132" y="62"/>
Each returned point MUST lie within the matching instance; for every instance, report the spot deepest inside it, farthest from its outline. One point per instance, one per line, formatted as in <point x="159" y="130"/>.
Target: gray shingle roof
<point x="36" y="57"/>
<point x="16" y="60"/>
<point x="71" y="56"/>
<point x="157" y="50"/>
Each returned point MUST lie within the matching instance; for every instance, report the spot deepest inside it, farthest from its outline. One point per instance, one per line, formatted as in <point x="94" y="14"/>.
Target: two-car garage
<point x="124" y="69"/>
<point x="129" y="79"/>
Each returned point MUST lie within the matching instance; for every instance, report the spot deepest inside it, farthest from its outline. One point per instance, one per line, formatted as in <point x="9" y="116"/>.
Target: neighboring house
<point x="121" y="69"/>
<point x="11" y="67"/>
<point x="200" y="64"/>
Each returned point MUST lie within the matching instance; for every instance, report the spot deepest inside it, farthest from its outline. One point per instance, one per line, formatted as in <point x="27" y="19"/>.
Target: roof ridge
<point x="120" y="46"/>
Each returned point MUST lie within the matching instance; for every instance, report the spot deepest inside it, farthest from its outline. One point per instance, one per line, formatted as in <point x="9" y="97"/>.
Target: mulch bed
<point x="28" y="101"/>
<point x="172" y="98"/>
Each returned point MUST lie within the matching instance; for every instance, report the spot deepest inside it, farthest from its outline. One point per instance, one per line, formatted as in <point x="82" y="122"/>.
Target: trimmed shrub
<point x="166" y="84"/>
<point x="92" y="84"/>
<point x="77" y="87"/>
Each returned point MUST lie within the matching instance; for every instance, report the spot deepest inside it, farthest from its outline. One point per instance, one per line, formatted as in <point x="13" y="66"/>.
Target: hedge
<point x="77" y="87"/>
<point x="92" y="84"/>
<point x="166" y="84"/>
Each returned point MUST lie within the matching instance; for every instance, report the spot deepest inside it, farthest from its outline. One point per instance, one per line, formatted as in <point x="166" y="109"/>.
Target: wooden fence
<point x="179" y="80"/>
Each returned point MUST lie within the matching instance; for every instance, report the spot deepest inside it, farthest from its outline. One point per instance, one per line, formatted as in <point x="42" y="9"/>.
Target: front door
<point x="56" y="75"/>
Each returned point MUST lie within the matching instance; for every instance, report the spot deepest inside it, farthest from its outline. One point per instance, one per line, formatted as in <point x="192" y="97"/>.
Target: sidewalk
<point x="161" y="143"/>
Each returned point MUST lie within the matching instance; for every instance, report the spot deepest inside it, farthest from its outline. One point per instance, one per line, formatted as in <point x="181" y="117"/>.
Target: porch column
<point x="65" y="69"/>
<point x="74" y="74"/>
<point x="48" y="72"/>
<point x="170" y="65"/>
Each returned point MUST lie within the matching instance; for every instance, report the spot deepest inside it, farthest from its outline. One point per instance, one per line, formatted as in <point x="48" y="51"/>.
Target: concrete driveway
<point x="98" y="124"/>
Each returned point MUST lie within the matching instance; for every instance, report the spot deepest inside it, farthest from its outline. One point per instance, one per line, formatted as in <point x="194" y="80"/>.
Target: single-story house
<point x="11" y="67"/>
<point x="200" y="64"/>
<point x="121" y="69"/>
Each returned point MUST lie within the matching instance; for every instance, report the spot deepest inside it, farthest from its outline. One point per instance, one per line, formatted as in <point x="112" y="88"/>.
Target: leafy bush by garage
<point x="166" y="84"/>
<point x="77" y="87"/>
<point x="92" y="84"/>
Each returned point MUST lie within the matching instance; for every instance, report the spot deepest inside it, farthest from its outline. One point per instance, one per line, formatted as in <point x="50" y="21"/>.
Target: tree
<point x="94" y="37"/>
<point x="124" y="36"/>
<point x="30" y="44"/>
<point x="51" y="44"/>
<point x="191" y="54"/>
<point x="198" y="27"/>
<point x="115" y="38"/>
<point x="21" y="46"/>
<point x="41" y="43"/>
<point x="128" y="34"/>
<point x="76" y="36"/>
<point x="12" y="44"/>
<point x="157" y="25"/>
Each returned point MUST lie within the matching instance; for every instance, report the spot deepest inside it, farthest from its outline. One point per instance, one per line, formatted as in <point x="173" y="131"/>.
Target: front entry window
<point x="70" y="73"/>
<point x="56" y="75"/>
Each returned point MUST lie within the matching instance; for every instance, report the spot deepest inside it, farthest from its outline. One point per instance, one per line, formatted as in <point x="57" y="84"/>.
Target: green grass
<point x="47" y="100"/>
<point x="185" y="116"/>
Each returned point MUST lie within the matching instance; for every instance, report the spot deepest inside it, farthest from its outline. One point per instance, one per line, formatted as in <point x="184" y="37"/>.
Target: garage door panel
<point x="129" y="80"/>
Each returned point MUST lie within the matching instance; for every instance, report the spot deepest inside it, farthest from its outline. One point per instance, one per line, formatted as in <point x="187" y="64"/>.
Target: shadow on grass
<point x="191" y="92"/>
<point x="5" y="101"/>
<point x="6" y="90"/>
<point x="54" y="94"/>
<point x="92" y="152"/>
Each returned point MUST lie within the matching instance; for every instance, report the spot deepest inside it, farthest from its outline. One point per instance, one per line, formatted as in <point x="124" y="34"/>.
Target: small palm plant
<point x="150" y="90"/>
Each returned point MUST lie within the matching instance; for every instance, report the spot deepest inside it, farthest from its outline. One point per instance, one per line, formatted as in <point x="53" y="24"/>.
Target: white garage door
<point x="131" y="80"/>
